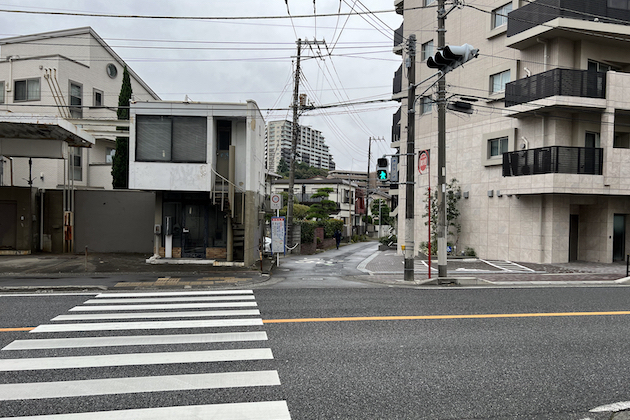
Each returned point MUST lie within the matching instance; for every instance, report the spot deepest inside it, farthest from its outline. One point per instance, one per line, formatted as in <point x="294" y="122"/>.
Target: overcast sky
<point x="236" y="60"/>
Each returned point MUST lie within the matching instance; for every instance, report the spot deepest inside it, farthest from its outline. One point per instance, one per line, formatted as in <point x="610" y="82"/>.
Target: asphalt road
<point x="448" y="354"/>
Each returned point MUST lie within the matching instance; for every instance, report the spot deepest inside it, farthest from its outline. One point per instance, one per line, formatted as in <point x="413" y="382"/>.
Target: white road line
<point x="618" y="406"/>
<point x="103" y="301"/>
<point x="63" y="389"/>
<point x="135" y="340"/>
<point x="148" y="325"/>
<point x="191" y="293"/>
<point x="189" y="314"/>
<point x="133" y="359"/>
<point x="267" y="410"/>
<point x="164" y="306"/>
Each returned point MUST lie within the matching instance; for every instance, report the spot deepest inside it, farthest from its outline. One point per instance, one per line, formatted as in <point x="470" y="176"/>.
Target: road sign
<point x="423" y="162"/>
<point x="393" y="176"/>
<point x="276" y="201"/>
<point x="277" y="234"/>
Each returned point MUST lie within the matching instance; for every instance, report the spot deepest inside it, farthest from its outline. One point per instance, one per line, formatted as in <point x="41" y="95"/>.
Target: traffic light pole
<point x="409" y="181"/>
<point x="442" y="228"/>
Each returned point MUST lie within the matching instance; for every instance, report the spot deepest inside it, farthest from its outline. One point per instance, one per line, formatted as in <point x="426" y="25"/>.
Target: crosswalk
<point x="508" y="266"/>
<point x="177" y="342"/>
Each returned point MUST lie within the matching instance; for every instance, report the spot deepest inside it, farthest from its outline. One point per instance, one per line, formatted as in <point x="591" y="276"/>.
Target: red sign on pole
<point x="423" y="162"/>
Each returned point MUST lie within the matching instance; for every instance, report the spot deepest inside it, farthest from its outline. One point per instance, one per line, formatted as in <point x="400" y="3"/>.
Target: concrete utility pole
<point x="295" y="136"/>
<point x="442" y="228"/>
<point x="411" y="132"/>
<point x="294" y="141"/>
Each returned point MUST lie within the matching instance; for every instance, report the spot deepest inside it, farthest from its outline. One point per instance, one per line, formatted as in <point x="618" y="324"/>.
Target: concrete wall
<point x="114" y="221"/>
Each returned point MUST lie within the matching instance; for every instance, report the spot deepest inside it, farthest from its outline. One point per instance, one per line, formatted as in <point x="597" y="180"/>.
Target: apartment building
<point x="311" y="146"/>
<point x="544" y="159"/>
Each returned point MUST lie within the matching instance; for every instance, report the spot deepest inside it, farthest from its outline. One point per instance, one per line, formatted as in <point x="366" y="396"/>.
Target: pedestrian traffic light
<point x="382" y="166"/>
<point x="451" y="57"/>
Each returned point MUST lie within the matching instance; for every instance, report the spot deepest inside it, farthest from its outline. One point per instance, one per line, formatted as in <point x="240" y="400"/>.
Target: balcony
<point x="554" y="160"/>
<point x="398" y="40"/>
<point x="397" y="92"/>
<point x="557" y="82"/>
<point x="542" y="11"/>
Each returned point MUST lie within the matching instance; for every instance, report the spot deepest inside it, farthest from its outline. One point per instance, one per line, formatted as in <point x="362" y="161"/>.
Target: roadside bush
<point x="308" y="231"/>
<point x="470" y="252"/>
<point x="330" y="226"/>
<point x="390" y="239"/>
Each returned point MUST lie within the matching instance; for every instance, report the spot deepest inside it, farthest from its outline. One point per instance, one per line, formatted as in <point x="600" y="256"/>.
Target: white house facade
<point x="205" y="161"/>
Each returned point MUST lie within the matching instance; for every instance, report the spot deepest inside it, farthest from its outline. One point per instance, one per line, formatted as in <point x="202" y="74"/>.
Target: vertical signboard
<point x="277" y="234"/>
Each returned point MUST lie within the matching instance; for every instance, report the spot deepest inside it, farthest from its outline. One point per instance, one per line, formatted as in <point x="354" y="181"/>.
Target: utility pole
<point x="409" y="181"/>
<point x="441" y="232"/>
<point x="294" y="140"/>
<point x="295" y="135"/>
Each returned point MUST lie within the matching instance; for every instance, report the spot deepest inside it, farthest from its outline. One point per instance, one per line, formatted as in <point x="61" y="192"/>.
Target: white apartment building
<point x="544" y="160"/>
<point x="72" y="75"/>
<point x="311" y="147"/>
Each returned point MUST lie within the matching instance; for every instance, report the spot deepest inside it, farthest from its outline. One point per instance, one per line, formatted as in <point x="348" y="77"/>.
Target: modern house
<point x="311" y="147"/>
<point x="348" y="196"/>
<point x="205" y="163"/>
<point x="58" y="124"/>
<point x="544" y="159"/>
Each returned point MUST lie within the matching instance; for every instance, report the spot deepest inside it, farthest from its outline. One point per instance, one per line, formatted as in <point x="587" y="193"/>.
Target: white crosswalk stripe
<point x="160" y="311"/>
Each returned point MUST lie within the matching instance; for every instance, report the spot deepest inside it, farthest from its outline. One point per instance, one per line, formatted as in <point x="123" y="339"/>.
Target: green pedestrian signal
<point x="382" y="167"/>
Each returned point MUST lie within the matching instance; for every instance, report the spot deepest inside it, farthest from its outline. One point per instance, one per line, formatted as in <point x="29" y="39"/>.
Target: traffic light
<point x="451" y="57"/>
<point x="382" y="166"/>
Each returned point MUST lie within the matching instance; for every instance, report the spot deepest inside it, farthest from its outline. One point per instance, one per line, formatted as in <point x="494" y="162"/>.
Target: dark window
<point x="26" y="90"/>
<point x="76" y="100"/>
<point x="171" y="139"/>
<point x="619" y="4"/>
<point x="98" y="98"/>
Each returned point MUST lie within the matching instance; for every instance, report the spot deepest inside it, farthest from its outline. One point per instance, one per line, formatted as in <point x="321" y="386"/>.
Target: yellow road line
<point x="413" y="317"/>
<point x="17" y="329"/>
<point x="431" y="317"/>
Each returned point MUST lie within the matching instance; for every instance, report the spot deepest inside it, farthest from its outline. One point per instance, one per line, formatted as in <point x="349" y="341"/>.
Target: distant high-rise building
<point x="311" y="147"/>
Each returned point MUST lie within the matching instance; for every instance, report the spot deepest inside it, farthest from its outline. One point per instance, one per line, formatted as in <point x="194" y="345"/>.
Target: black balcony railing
<point x="398" y="36"/>
<point x="556" y="82"/>
<point x="554" y="160"/>
<point x="540" y="11"/>
<point x="397" y="84"/>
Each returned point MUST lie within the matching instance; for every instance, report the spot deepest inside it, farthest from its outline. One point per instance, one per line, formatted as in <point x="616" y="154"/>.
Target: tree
<point x="323" y="209"/>
<point x="384" y="212"/>
<point x="453" y="227"/>
<point x="283" y="168"/>
<point x="120" y="162"/>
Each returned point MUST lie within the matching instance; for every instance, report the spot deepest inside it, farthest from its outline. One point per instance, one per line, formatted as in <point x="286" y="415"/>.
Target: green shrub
<point x="386" y="240"/>
<point x="330" y="226"/>
<point x="470" y="252"/>
<point x="308" y="231"/>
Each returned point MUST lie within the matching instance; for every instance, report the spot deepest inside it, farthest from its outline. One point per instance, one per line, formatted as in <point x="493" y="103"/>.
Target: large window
<point x="429" y="2"/>
<point x="427" y="50"/>
<point x="498" y="81"/>
<point x="1" y="92"/>
<point x="76" y="100"/>
<point x="26" y="90"/>
<point x="498" y="146"/>
<point x="171" y="139"/>
<point x="499" y="15"/>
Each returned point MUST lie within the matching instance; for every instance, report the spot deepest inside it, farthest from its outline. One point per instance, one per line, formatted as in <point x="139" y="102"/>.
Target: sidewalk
<point x="387" y="266"/>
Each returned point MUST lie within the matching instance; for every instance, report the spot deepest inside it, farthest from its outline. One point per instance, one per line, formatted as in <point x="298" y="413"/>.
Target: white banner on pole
<point x="277" y="234"/>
